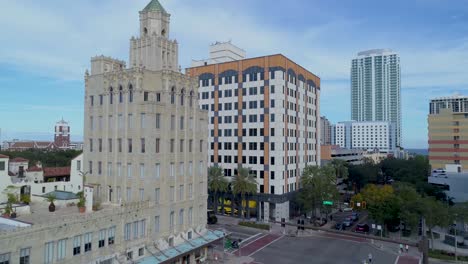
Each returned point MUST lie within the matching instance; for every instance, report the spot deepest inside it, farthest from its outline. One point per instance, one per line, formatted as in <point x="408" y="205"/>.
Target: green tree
<point x="436" y="214"/>
<point x="341" y="169"/>
<point x="318" y="185"/>
<point x="411" y="204"/>
<point x="244" y="183"/>
<point x="216" y="183"/>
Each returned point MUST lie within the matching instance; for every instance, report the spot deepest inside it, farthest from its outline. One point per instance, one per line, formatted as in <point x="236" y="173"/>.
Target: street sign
<point x="358" y="204"/>
<point x="327" y="202"/>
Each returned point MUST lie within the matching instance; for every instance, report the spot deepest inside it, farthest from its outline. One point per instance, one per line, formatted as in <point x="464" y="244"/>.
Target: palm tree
<point x="244" y="183"/>
<point x="341" y="169"/>
<point x="216" y="183"/>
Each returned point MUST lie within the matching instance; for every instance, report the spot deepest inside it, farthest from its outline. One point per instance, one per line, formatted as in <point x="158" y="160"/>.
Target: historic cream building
<point x="145" y="165"/>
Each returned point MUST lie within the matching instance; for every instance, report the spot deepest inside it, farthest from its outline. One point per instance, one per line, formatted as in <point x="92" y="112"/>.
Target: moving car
<point x="339" y="226"/>
<point x="354" y="216"/>
<point x="362" y="228"/>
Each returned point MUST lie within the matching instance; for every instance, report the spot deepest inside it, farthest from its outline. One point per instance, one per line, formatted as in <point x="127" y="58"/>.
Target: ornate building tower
<point x="62" y="134"/>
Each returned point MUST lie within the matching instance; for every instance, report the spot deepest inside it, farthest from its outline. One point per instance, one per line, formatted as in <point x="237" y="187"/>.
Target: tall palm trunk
<point x="215" y="202"/>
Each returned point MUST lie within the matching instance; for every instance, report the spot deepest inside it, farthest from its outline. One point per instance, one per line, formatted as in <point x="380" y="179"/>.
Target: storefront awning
<point x="182" y="249"/>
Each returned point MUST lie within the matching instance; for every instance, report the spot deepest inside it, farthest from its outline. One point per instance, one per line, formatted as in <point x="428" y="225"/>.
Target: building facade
<point x="331" y="152"/>
<point x="375" y="88"/>
<point x="62" y="134"/>
<point x="221" y="52"/>
<point x="264" y="115"/>
<point x="369" y="136"/>
<point x="448" y="131"/>
<point x="326" y="128"/>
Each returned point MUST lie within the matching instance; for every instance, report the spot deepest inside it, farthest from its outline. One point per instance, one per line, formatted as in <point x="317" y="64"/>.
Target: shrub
<point x="255" y="225"/>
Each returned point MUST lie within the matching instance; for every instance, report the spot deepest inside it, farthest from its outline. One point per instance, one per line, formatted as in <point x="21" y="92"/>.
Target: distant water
<point x="424" y="152"/>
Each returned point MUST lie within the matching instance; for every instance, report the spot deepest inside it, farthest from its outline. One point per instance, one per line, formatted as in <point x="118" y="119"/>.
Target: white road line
<point x="254" y="240"/>
<point x="266" y="245"/>
<point x="396" y="260"/>
<point x="249" y="238"/>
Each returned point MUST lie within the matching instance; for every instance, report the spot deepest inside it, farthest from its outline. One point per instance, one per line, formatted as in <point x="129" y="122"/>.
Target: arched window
<point x="120" y="94"/>
<point x="173" y="95"/>
<point x="163" y="33"/>
<point x="145" y="30"/>
<point x="182" y="97"/>
<point x="130" y="93"/>
<point x="111" y="95"/>
<point x="191" y="99"/>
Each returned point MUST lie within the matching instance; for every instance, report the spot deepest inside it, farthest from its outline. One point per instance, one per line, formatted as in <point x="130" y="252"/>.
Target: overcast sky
<point x="46" y="47"/>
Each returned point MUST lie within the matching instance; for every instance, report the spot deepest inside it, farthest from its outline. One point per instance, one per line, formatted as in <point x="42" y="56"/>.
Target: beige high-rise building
<point x="448" y="131"/>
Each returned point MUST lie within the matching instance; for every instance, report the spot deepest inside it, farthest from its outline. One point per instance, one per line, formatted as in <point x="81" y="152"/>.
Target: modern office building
<point x="375" y="88"/>
<point x="145" y="165"/>
<point x="448" y="131"/>
<point x="369" y="136"/>
<point x="326" y="128"/>
<point x="264" y="114"/>
<point x="221" y="52"/>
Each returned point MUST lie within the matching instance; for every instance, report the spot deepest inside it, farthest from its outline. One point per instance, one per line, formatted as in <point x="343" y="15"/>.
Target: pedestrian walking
<point x="407" y="248"/>
<point x="401" y="248"/>
<point x="370" y="258"/>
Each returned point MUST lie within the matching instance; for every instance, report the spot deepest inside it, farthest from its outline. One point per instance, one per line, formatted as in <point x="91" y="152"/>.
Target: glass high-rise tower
<point x="375" y="88"/>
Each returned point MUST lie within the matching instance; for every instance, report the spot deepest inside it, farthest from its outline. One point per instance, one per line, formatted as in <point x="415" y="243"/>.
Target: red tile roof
<point x="3" y="156"/>
<point x="57" y="171"/>
<point x="19" y="159"/>
<point x="34" y="168"/>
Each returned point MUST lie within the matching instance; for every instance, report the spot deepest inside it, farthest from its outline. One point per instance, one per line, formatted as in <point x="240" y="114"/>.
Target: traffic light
<point x="363" y="204"/>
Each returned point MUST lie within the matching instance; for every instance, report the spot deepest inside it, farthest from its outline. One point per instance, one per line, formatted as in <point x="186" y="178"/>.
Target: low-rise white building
<point x="376" y="136"/>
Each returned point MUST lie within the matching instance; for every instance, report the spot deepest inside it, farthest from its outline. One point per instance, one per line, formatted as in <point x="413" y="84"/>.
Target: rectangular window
<point x="191" y="123"/>
<point x="181" y="192"/>
<point x="120" y="121"/>
<point x="119" y="144"/>
<point x="157" y="195"/>
<point x="88" y="238"/>
<point x="102" y="238"/>
<point x="127" y="231"/>
<point x="100" y="144"/>
<point x="171" y="221"/>
<point x="142" y="170"/>
<point x="135" y="229"/>
<point x="156" y="224"/>
<point x="61" y="249"/>
<point x="190" y="145"/>
<point x="158" y="97"/>
<point x="90" y="145"/>
<point x="99" y="167"/>
<point x="190" y="215"/>
<point x="200" y="168"/>
<point x="142" y="228"/>
<point x="181" y="123"/>
<point x="2" y="165"/>
<point x="190" y="191"/>
<point x="109" y="144"/>
<point x="171" y="194"/>
<point x="90" y="167"/>
<point x="25" y="256"/>
<point x="181" y="169"/>
<point x="143" y="146"/>
<point x="172" y="122"/>
<point x="181" y="146"/>
<point x="76" y="245"/>
<point x="130" y="146"/>
<point x="119" y="169"/>
<point x="158" y="121"/>
<point x="130" y="121"/>
<point x="142" y="195"/>
<point x="157" y="170"/>
<point x="157" y="145"/>
<point x="172" y="170"/>
<point x="129" y="194"/>
<point x="145" y="96"/>
<point x="190" y="169"/>
<point x="142" y="120"/>
<point x="181" y="216"/>
<point x="171" y="146"/>
<point x="129" y="170"/>
<point x="48" y="253"/>
<point x="91" y="100"/>
<point x="111" y="236"/>
<point x="201" y="146"/>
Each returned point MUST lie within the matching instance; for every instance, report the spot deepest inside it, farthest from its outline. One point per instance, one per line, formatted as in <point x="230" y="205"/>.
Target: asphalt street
<point x="320" y="250"/>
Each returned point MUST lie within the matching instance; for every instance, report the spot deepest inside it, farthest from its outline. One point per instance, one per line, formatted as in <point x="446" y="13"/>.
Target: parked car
<point x="339" y="226"/>
<point x="354" y="216"/>
<point x="347" y="222"/>
<point x="362" y="228"/>
<point x="347" y="209"/>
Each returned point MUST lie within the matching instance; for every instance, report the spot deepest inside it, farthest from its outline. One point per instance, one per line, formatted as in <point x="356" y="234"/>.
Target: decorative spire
<point x="154" y="6"/>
